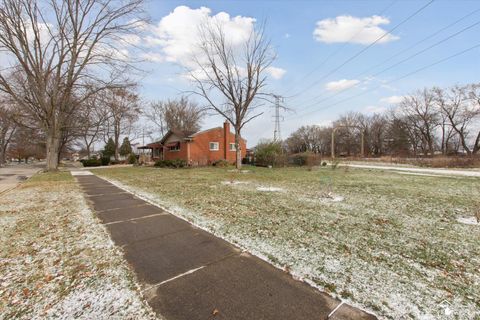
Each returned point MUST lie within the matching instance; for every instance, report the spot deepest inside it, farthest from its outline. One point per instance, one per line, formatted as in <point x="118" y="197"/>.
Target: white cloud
<point x="178" y="34"/>
<point x="392" y="99"/>
<point x="287" y="35"/>
<point x="341" y="85"/>
<point x="374" y="109"/>
<point x="152" y="57"/>
<point x="352" y="29"/>
<point x="176" y="37"/>
<point x="276" y="73"/>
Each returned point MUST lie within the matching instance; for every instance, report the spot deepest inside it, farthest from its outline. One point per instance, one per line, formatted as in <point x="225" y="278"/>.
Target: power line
<point x="338" y="50"/>
<point x="393" y="80"/>
<point x="418" y="42"/>
<point x="313" y="102"/>
<point x="367" y="47"/>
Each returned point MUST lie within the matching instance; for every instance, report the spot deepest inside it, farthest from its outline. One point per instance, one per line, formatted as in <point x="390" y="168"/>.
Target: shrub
<point x="116" y="162"/>
<point x="220" y="163"/>
<point x="132" y="158"/>
<point x="105" y="161"/>
<point x="175" y="163"/>
<point x="299" y="159"/>
<point x="92" y="162"/>
<point x="269" y="153"/>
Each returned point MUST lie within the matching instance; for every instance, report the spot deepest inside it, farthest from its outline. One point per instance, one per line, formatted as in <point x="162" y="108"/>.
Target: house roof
<point x="179" y="133"/>
<point x="182" y="135"/>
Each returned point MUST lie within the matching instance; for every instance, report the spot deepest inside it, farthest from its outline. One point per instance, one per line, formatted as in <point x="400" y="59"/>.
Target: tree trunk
<point x="476" y="146"/>
<point x="238" y="149"/>
<point x="53" y="146"/>
<point x="117" y="142"/>
<point x="2" y="156"/>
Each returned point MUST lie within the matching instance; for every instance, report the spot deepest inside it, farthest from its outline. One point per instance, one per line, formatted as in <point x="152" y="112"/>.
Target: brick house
<point x="200" y="148"/>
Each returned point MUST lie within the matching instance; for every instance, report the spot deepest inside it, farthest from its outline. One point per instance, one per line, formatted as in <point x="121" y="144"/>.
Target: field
<point x="56" y="259"/>
<point x="384" y="241"/>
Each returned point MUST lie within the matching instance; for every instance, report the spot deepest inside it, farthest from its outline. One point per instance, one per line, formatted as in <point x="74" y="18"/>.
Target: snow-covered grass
<point x="392" y="244"/>
<point x="57" y="261"/>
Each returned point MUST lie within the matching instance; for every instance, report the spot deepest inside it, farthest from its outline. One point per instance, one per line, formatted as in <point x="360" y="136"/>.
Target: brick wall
<point x="199" y="148"/>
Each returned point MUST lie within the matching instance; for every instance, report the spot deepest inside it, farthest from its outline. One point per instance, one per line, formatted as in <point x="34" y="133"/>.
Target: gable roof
<point x="182" y="135"/>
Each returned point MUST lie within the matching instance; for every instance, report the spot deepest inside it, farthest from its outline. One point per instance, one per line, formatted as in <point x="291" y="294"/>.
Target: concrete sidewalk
<point x="13" y="174"/>
<point x="187" y="273"/>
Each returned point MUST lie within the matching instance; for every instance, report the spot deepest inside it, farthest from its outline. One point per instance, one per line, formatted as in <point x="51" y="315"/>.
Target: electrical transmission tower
<point x="277" y="117"/>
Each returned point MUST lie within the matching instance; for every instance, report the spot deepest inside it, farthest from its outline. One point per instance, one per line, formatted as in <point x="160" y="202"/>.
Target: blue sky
<point x="346" y="28"/>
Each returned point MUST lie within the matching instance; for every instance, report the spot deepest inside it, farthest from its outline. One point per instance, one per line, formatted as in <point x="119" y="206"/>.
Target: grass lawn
<point x="56" y="259"/>
<point x="384" y="241"/>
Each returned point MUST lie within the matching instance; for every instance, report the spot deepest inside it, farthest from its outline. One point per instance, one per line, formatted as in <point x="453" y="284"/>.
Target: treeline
<point x="426" y="122"/>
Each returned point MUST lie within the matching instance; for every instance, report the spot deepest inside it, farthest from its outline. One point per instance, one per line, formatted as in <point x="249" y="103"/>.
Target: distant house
<point x="198" y="148"/>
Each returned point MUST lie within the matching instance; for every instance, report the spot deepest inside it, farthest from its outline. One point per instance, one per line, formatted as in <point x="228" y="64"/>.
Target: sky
<point x="332" y="57"/>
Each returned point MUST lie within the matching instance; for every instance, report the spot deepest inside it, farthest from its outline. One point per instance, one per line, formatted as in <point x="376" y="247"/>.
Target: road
<point x="12" y="174"/>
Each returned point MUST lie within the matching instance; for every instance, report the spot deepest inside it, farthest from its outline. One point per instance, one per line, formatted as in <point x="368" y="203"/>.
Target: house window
<point x="214" y="146"/>
<point x="232" y="147"/>
<point x="174" y="146"/>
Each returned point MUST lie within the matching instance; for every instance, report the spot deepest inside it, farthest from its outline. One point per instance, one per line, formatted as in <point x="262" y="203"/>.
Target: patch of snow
<point x="63" y="262"/>
<point x="234" y="182"/>
<point x="270" y="189"/>
<point x="101" y="302"/>
<point x="336" y="198"/>
<point x="468" y="220"/>
<point x="81" y="173"/>
<point x="241" y="171"/>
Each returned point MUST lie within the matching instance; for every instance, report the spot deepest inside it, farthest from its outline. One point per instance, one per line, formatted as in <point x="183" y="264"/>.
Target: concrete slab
<point x="240" y="287"/>
<point x="123" y="214"/>
<point x="159" y="259"/>
<point x="112" y="197"/>
<point x="109" y="205"/>
<point x="89" y="178"/>
<point x="101" y="190"/>
<point x="346" y="312"/>
<point x="143" y="229"/>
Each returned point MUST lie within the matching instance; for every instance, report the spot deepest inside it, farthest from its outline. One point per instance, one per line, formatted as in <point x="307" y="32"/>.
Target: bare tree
<point x="474" y="95"/>
<point x="56" y="54"/>
<point x="26" y="143"/>
<point x="156" y="115"/>
<point x="459" y="107"/>
<point x="124" y="111"/>
<point x="349" y="137"/>
<point x="420" y="114"/>
<point x="179" y="114"/>
<point x="314" y="138"/>
<point x="8" y="128"/>
<point x="376" y="133"/>
<point x="237" y="74"/>
<point x="93" y="117"/>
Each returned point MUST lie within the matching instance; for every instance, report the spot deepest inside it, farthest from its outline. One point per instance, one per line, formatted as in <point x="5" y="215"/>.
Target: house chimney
<point x="226" y="139"/>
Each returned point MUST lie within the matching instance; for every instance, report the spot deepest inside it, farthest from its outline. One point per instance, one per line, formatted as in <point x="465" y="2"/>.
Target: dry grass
<point x="57" y="261"/>
<point x="387" y="242"/>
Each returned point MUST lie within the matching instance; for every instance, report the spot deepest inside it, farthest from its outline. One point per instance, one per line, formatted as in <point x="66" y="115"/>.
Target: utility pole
<point x="277" y="117"/>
